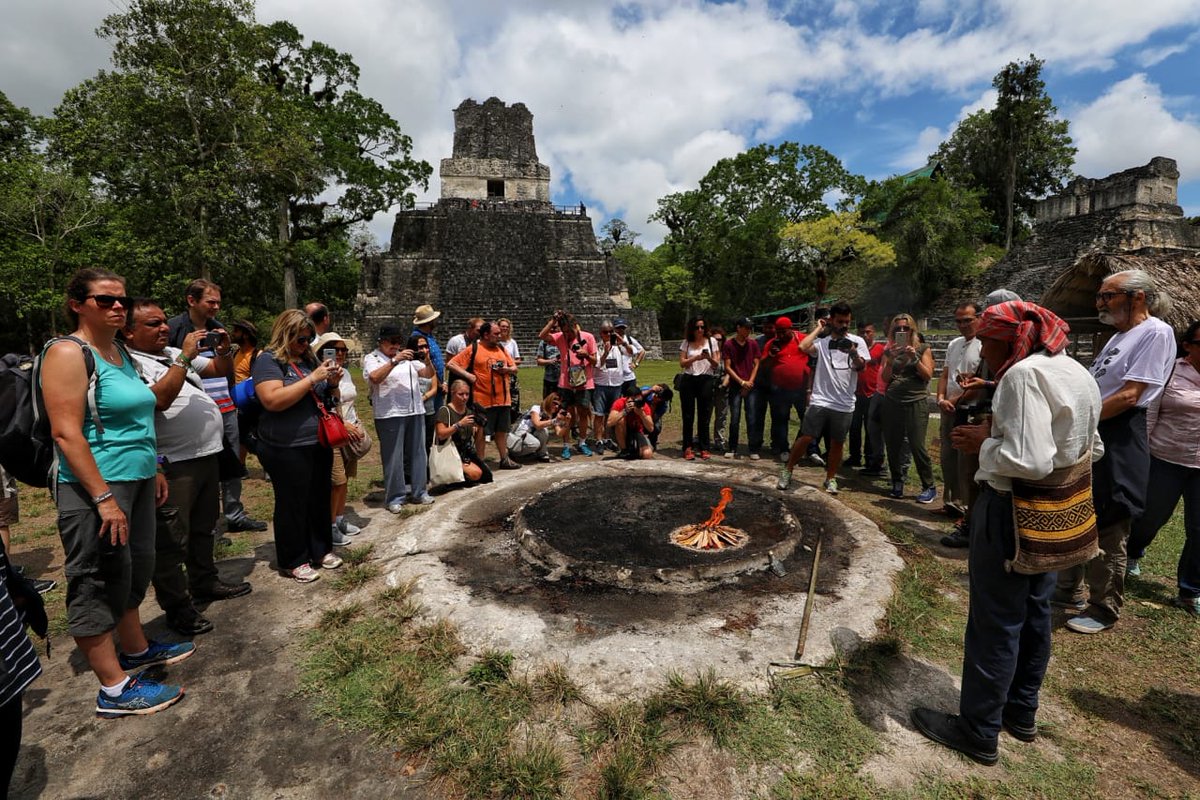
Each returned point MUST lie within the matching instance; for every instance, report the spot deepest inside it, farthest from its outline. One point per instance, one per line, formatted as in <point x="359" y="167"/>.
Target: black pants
<point x="1007" y="645"/>
<point x="10" y="740"/>
<point x="184" y="533"/>
<point x="301" y="478"/>
<point x="696" y="399"/>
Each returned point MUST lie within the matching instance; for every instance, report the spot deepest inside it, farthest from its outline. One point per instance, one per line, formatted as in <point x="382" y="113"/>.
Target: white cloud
<point x="917" y="155"/>
<point x="1130" y="124"/>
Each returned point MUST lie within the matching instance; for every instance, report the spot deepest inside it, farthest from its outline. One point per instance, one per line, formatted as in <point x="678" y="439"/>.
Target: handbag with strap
<point x="355" y="449"/>
<point x="1055" y="520"/>
<point x="445" y="464"/>
<point x="331" y="431"/>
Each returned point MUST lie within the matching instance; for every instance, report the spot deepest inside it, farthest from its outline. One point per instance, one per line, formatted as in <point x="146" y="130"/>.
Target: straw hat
<point x="425" y="314"/>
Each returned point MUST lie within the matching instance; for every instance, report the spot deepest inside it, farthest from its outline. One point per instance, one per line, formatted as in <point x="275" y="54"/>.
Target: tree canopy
<point x="1016" y="152"/>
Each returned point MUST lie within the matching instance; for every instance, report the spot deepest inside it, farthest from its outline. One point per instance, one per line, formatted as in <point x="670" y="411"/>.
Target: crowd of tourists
<point x="152" y="419"/>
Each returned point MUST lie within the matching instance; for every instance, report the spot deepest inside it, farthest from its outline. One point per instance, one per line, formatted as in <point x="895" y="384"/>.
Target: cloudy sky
<point x="634" y="100"/>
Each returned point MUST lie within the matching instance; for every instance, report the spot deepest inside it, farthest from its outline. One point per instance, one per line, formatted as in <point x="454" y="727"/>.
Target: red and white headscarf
<point x="1028" y="326"/>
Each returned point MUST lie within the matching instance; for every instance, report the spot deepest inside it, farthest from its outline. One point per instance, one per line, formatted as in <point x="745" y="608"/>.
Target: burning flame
<point x="718" y="512"/>
<point x="711" y="534"/>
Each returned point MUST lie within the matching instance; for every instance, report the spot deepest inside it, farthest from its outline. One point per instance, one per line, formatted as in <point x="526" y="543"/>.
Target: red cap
<point x="783" y="322"/>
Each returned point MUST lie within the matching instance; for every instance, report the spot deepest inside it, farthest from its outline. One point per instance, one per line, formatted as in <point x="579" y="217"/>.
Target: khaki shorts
<point x="343" y="468"/>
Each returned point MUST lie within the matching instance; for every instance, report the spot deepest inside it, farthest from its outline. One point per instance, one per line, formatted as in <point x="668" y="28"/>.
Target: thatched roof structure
<point x="1073" y="295"/>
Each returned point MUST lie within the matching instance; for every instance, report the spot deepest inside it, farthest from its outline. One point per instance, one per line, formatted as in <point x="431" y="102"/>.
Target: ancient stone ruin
<point x="494" y="245"/>
<point x="1135" y="210"/>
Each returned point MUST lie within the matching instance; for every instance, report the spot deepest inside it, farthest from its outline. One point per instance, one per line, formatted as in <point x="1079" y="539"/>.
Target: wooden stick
<point x="812" y="591"/>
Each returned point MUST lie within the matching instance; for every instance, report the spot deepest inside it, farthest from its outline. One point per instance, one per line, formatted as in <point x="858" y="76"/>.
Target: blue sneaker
<point x="583" y="448"/>
<point x="897" y="489"/>
<point x="1133" y="568"/>
<point x="927" y="495"/>
<point x="158" y="653"/>
<point x="141" y="696"/>
<point x="566" y="453"/>
<point x="339" y="539"/>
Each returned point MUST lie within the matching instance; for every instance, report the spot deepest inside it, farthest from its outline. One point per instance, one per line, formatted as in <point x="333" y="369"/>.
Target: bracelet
<point x="182" y="361"/>
<point x="100" y="498"/>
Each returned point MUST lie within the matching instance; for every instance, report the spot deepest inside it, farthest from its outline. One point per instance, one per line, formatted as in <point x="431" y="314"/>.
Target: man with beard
<point x="1131" y="371"/>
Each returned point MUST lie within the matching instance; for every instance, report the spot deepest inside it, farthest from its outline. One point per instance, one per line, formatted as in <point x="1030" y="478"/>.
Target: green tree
<point x="726" y="232"/>
<point x="656" y="281"/>
<point x="613" y="234"/>
<point x="226" y="142"/>
<point x="1016" y="152"/>
<point x="935" y="226"/>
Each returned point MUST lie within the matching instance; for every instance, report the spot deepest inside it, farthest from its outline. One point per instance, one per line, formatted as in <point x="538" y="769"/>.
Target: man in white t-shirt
<point x="1130" y="372"/>
<point x="962" y="361"/>
<point x="841" y="355"/>
<point x="189" y="429"/>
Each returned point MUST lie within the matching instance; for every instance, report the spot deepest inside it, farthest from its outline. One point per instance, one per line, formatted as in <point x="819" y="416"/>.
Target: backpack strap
<point x="89" y="363"/>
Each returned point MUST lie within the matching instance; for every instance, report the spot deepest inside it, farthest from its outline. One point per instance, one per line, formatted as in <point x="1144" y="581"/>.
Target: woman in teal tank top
<point x="106" y="492"/>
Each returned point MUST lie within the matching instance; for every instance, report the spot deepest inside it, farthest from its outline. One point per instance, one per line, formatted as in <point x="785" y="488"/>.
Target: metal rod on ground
<point x="812" y="592"/>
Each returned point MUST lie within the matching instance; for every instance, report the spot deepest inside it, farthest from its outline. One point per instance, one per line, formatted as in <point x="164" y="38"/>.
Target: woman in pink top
<point x="1173" y="425"/>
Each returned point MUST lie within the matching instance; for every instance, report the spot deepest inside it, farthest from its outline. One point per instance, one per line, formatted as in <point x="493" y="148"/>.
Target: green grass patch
<point x="355" y="576"/>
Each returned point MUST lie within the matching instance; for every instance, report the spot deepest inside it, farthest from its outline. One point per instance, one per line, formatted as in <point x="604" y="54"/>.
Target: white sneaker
<point x="754" y="456"/>
<point x="831" y="486"/>
<point x="304" y="573"/>
<point x="330" y="561"/>
<point x="785" y="478"/>
<point x="816" y="459"/>
<point x="729" y="454"/>
<point x="783" y="457"/>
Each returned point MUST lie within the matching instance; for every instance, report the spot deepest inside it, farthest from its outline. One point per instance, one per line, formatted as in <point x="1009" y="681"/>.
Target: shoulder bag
<point x="331" y="431"/>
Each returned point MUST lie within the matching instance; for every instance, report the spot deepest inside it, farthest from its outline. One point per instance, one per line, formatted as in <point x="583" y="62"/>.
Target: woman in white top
<point x="698" y="358"/>
<point x="344" y="468"/>
<point x="1173" y="429"/>
<point x="393" y="374"/>
<point x="531" y="435"/>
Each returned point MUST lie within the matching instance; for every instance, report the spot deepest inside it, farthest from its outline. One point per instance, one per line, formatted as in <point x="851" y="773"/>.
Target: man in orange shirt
<point x="487" y="367"/>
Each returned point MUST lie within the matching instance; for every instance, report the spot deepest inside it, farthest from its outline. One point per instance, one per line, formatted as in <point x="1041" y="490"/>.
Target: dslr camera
<point x="842" y="344"/>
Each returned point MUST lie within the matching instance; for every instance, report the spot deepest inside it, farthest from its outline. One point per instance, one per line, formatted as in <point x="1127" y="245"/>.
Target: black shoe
<point x="1025" y="731"/>
<point x="508" y="463"/>
<point x="959" y="537"/>
<point x="871" y="472"/>
<point x="852" y="462"/>
<point x="222" y="591"/>
<point x="42" y="586"/>
<point x="246" y="524"/>
<point x="188" y="622"/>
<point x="945" y="729"/>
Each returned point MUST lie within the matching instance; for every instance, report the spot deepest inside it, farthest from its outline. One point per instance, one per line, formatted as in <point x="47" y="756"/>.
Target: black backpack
<point x="26" y="447"/>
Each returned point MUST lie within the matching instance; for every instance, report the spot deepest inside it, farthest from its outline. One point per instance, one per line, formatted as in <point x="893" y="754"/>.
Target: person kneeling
<point x="531" y="435"/>
<point x="630" y="417"/>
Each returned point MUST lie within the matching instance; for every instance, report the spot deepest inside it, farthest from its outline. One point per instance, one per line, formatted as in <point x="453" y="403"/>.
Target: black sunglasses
<point x="304" y="339"/>
<point x="902" y="328"/>
<point x="110" y="300"/>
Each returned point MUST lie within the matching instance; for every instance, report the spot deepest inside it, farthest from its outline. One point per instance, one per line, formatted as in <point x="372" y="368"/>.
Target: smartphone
<point x="901" y="338"/>
<point x="329" y="354"/>
<point x="612" y="339"/>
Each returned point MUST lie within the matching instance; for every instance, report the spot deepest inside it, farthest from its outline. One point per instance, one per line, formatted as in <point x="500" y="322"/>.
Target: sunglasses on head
<point x="110" y="300"/>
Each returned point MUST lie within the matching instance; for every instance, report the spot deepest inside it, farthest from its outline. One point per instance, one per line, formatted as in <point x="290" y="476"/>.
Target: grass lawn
<point x="1120" y="720"/>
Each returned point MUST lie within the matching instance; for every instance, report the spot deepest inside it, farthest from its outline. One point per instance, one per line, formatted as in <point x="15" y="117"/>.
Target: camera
<point x="497" y="364"/>
<point x="842" y="344"/>
<point x="212" y="339"/>
<point x="576" y="346"/>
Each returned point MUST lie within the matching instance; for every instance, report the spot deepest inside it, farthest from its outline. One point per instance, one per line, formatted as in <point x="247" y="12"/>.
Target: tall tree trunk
<point x="291" y="297"/>
<point x="205" y="267"/>
<point x="1010" y="188"/>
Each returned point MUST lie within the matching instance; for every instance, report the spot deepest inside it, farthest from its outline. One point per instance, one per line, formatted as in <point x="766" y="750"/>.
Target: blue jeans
<point x="402" y="443"/>
<point x="1007" y="644"/>
<point x="754" y="419"/>
<point x="782" y="403"/>
<point x="1168" y="483"/>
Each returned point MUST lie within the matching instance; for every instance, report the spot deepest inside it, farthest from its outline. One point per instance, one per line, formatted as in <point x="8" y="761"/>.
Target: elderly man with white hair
<point x="1130" y="371"/>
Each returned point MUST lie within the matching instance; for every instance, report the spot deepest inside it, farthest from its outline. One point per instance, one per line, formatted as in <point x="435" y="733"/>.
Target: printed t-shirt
<point x="125" y="450"/>
<point x="191" y="426"/>
<point x="1144" y="353"/>
<point x="490" y="389"/>
<point x="835" y="380"/>
<point x="790" y="369"/>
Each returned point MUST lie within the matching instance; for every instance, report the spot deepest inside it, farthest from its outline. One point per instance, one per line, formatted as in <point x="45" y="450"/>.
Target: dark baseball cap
<point x="744" y="322"/>
<point x="620" y="323"/>
<point x="390" y="332"/>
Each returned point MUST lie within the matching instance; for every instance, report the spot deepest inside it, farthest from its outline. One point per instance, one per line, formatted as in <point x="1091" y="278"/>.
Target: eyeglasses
<point x="964" y="321"/>
<point x="304" y="339"/>
<point x="902" y="328"/>
<point x="1105" y="297"/>
<point x="109" y="300"/>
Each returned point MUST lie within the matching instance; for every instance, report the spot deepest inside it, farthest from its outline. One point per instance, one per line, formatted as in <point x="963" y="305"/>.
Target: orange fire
<point x="711" y="534"/>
